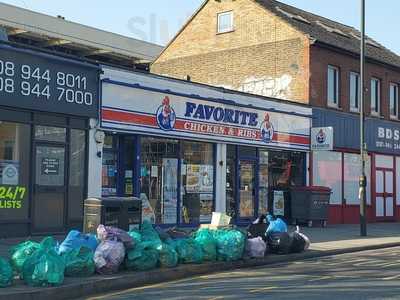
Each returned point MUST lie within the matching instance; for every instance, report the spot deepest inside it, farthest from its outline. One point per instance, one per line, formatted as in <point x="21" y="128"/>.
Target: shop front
<point x="45" y="106"/>
<point x="187" y="149"/>
<point x="340" y="169"/>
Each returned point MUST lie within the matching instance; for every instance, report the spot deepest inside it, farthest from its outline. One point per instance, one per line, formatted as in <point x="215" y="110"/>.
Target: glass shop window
<point x="327" y="171"/>
<point x="286" y="169"/>
<point x="110" y="165"/>
<point x="15" y="149"/>
<point x="159" y="179"/>
<point x="129" y="161"/>
<point x="197" y="182"/>
<point x="263" y="182"/>
<point x="77" y="174"/>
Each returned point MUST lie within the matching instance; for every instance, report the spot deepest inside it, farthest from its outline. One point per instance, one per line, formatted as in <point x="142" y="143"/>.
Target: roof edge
<point x="180" y="31"/>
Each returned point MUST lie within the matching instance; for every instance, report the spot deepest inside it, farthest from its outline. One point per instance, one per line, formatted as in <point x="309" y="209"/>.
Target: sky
<point x="157" y="21"/>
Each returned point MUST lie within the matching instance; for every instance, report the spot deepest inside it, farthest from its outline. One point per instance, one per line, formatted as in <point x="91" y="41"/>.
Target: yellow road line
<point x="263" y="289"/>
<point x="321" y="278"/>
<point x="391" y="277"/>
<point x="216" y="298"/>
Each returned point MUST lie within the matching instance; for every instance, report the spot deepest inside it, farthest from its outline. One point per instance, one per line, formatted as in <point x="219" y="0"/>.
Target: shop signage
<point x="50" y="166"/>
<point x="11" y="197"/>
<point x="38" y="81"/>
<point x="145" y="111"/>
<point x="387" y="137"/>
<point x="322" y="138"/>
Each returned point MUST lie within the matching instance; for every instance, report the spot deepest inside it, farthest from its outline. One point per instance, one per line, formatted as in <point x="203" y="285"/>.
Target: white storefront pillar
<point x="95" y="162"/>
<point x="220" y="186"/>
<point x="308" y="169"/>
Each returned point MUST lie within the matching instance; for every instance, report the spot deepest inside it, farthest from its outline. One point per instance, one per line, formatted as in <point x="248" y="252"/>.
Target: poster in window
<point x="193" y="178"/>
<point x="279" y="204"/>
<point x="206" y="178"/>
<point x="206" y="207"/>
<point x="170" y="184"/>
<point x="9" y="172"/>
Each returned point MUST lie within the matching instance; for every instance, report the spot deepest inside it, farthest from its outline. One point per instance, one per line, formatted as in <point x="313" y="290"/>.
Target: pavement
<point x="332" y="240"/>
<point x="353" y="276"/>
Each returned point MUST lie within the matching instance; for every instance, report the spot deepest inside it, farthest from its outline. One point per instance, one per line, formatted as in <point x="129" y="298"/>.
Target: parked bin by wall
<point x="124" y="213"/>
<point x="310" y="204"/>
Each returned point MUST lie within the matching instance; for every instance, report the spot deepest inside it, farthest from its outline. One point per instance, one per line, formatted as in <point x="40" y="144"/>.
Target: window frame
<point x="396" y="103"/>
<point x="232" y="28"/>
<point x="377" y="95"/>
<point x="357" y="90"/>
<point x="333" y="102"/>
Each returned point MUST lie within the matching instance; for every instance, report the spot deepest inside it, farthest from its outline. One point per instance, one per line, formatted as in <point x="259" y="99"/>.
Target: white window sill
<point x="395" y="118"/>
<point x="355" y="110"/>
<point x="225" y="31"/>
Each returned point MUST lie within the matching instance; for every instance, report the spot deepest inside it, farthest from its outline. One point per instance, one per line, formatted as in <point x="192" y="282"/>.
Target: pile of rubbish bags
<point x="273" y="237"/>
<point x="112" y="250"/>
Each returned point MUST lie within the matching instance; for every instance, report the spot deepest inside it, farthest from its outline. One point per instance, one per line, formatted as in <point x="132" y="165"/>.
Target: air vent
<point x="292" y="16"/>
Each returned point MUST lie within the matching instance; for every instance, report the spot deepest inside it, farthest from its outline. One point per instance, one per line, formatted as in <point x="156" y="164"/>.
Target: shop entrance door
<point x="49" y="188"/>
<point x="384" y="198"/>
<point x="247" y="189"/>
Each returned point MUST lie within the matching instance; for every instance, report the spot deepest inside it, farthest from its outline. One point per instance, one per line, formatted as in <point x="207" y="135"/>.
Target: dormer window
<point x="225" y="22"/>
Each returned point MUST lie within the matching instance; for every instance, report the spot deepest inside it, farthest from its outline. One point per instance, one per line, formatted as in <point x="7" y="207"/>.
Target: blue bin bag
<point x="75" y="240"/>
<point x="277" y="225"/>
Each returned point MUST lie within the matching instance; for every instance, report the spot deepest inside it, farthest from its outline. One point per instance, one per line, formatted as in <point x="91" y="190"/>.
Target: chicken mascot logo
<point x="267" y="130"/>
<point x="321" y="137"/>
<point x="166" y="116"/>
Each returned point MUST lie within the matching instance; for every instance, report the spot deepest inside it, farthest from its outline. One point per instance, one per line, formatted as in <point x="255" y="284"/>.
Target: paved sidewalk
<point x="324" y="242"/>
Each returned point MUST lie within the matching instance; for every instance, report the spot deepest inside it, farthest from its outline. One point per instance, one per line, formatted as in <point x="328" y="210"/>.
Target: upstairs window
<point x="394" y="100"/>
<point x="333" y="86"/>
<point x="225" y="22"/>
<point x="354" y="92"/>
<point x="375" y="96"/>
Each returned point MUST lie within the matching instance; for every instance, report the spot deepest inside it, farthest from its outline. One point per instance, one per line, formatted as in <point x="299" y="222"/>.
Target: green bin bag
<point x="136" y="236"/>
<point x="44" y="267"/>
<point x="189" y="252"/>
<point x="79" y="262"/>
<point x="21" y="252"/>
<point x="6" y="273"/>
<point x="143" y="257"/>
<point x="168" y="256"/>
<point x="206" y="240"/>
<point x="230" y="244"/>
<point x="149" y="234"/>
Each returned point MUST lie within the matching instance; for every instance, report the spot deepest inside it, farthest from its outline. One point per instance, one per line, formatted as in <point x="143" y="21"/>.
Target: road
<point x="363" y="275"/>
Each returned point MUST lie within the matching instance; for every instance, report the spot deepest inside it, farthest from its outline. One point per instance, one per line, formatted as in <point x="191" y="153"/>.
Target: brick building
<point x="266" y="47"/>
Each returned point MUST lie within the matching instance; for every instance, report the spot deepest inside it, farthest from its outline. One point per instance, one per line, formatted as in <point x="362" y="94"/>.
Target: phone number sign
<point x="38" y="81"/>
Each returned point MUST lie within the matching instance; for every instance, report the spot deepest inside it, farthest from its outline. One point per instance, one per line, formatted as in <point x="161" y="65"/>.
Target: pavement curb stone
<point x="126" y="280"/>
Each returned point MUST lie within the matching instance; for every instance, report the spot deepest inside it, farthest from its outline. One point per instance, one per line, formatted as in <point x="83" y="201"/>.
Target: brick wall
<point x="320" y="58"/>
<point x="263" y="55"/>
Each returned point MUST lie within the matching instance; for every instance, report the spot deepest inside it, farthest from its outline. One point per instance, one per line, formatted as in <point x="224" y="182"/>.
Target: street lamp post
<point x="363" y="150"/>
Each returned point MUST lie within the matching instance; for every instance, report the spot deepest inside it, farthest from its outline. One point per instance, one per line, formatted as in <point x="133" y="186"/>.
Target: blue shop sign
<point x="380" y="135"/>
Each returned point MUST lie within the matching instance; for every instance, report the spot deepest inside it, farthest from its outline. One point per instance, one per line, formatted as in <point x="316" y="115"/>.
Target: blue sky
<point x="158" y="20"/>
